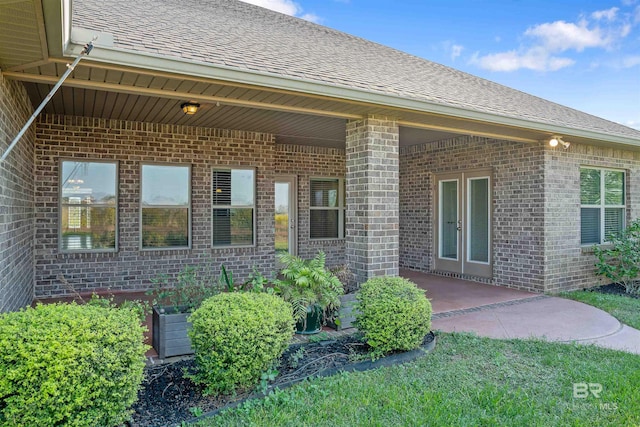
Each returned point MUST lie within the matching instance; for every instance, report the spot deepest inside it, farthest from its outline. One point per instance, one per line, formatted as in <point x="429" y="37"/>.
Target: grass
<point x="625" y="309"/>
<point x="466" y="381"/>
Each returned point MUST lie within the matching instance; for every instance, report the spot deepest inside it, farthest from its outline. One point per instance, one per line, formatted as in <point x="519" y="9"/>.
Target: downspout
<point x="70" y="67"/>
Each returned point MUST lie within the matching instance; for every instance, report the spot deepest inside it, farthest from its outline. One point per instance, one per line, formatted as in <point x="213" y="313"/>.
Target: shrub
<point x="308" y="284"/>
<point x="238" y="336"/>
<point x="619" y="261"/>
<point x="69" y="364"/>
<point x="191" y="286"/>
<point x="393" y="314"/>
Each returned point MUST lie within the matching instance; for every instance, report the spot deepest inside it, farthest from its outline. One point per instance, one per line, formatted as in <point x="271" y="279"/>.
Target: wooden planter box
<point x="170" y="327"/>
<point x="346" y="313"/>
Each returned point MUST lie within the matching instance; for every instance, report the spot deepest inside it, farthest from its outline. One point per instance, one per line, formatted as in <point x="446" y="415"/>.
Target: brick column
<point x="372" y="224"/>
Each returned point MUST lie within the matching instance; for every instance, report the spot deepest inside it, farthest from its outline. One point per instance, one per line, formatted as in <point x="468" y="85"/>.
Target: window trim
<point x="603" y="206"/>
<point x="189" y="208"/>
<point x="117" y="205"/>
<point x="253" y="207"/>
<point x="341" y="208"/>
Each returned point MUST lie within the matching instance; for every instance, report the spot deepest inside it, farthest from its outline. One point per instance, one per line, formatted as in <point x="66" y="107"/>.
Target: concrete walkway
<point x="507" y="313"/>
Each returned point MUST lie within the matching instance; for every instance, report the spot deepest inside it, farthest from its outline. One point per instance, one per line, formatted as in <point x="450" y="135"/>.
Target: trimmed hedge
<point x="69" y="364"/>
<point x="392" y="314"/>
<point x="236" y="337"/>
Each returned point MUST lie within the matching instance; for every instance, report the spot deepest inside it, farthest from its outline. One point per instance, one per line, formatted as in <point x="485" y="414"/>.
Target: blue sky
<point x="583" y="54"/>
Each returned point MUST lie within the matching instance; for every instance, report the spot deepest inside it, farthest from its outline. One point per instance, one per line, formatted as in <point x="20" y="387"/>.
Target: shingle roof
<point x="246" y="37"/>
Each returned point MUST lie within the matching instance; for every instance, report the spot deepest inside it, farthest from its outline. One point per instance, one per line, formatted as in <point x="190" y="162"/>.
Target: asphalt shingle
<point x="247" y="37"/>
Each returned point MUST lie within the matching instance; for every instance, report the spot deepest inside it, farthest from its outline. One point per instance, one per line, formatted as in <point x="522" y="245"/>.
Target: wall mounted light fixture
<point x="190" y="108"/>
<point x="555" y="140"/>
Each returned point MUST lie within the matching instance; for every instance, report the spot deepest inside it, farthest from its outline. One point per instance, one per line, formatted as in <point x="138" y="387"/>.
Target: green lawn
<point x="466" y="381"/>
<point x="625" y="309"/>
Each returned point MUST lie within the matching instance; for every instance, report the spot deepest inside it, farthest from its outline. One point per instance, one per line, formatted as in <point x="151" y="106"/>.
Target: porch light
<point x="555" y="140"/>
<point x="190" y="108"/>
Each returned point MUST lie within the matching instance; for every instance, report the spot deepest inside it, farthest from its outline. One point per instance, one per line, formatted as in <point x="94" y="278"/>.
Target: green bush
<point x="69" y="364"/>
<point x="619" y="260"/>
<point x="238" y="336"/>
<point x="392" y="314"/>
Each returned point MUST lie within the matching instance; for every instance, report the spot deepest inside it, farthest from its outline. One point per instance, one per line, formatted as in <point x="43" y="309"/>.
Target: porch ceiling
<point x="116" y="92"/>
<point x="22" y="33"/>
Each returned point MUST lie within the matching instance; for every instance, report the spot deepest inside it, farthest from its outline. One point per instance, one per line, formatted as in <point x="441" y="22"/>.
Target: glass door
<point x="285" y="215"/>
<point x="463" y="223"/>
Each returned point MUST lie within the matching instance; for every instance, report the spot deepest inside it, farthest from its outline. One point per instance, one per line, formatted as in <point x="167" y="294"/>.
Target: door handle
<point x="459" y="227"/>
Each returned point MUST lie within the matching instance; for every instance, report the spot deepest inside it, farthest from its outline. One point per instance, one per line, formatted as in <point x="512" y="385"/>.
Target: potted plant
<point x="312" y="290"/>
<point x="172" y="304"/>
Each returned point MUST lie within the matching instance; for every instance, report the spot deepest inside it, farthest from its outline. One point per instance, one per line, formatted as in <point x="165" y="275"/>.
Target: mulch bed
<point x="167" y="396"/>
<point x="612" y="289"/>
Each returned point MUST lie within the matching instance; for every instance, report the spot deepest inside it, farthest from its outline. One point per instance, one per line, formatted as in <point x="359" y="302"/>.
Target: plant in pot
<point x="173" y="301"/>
<point x="311" y="289"/>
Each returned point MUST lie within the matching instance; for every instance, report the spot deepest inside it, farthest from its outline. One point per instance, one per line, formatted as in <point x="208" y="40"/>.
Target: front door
<point x="463" y="223"/>
<point x="285" y="215"/>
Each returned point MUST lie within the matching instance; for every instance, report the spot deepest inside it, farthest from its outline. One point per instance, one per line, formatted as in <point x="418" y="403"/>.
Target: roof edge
<point x="150" y="61"/>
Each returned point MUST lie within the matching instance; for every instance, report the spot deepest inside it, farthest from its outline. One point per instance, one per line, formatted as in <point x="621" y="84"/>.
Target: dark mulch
<point x="612" y="289"/>
<point x="167" y="396"/>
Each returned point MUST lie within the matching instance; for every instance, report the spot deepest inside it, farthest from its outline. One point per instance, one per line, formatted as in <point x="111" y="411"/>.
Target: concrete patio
<point x="497" y="312"/>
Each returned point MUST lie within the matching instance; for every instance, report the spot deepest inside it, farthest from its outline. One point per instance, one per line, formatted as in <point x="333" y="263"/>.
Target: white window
<point x="165" y="207"/>
<point x="327" y="208"/>
<point x="233" y="207"/>
<point x="602" y="204"/>
<point x="88" y="206"/>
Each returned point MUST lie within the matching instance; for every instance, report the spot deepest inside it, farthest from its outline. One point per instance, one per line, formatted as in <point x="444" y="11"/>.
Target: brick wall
<point x="132" y="143"/>
<point x="312" y="162"/>
<point x="372" y="197"/>
<point x="517" y="180"/>
<point x="567" y="264"/>
<point x="16" y="199"/>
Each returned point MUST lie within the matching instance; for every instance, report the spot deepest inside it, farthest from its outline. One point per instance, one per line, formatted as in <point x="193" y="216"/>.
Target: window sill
<point x="166" y="249"/>
<point x="87" y="251"/>
<point x="590" y="249"/>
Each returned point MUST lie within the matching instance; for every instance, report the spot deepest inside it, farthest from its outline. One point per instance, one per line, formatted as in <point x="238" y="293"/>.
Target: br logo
<point x="583" y="390"/>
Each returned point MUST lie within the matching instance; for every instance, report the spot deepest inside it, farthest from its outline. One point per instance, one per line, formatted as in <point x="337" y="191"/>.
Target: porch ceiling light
<point x="190" y="108"/>
<point x="555" y="140"/>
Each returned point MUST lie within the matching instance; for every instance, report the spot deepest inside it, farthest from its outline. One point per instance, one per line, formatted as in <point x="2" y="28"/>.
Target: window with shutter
<point x="602" y="204"/>
<point x="88" y="206"/>
<point x="233" y="207"/>
<point x="327" y="208"/>
<point x="165" y="207"/>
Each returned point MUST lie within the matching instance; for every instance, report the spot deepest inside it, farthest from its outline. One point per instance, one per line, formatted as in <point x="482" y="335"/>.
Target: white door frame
<point x="462" y="263"/>
<point x="292" y="180"/>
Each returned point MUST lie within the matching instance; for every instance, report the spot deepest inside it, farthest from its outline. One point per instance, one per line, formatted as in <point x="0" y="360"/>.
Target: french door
<point x="463" y="223"/>
<point x="286" y="236"/>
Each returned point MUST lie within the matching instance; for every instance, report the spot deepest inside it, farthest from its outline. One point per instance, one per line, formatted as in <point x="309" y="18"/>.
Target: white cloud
<point x="560" y="36"/>
<point x="288" y="7"/>
<point x="543" y="43"/>
<point x="534" y="59"/>
<point x="631" y="61"/>
<point x="609" y="14"/>
<point x="311" y="17"/>
<point x="456" y="50"/>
